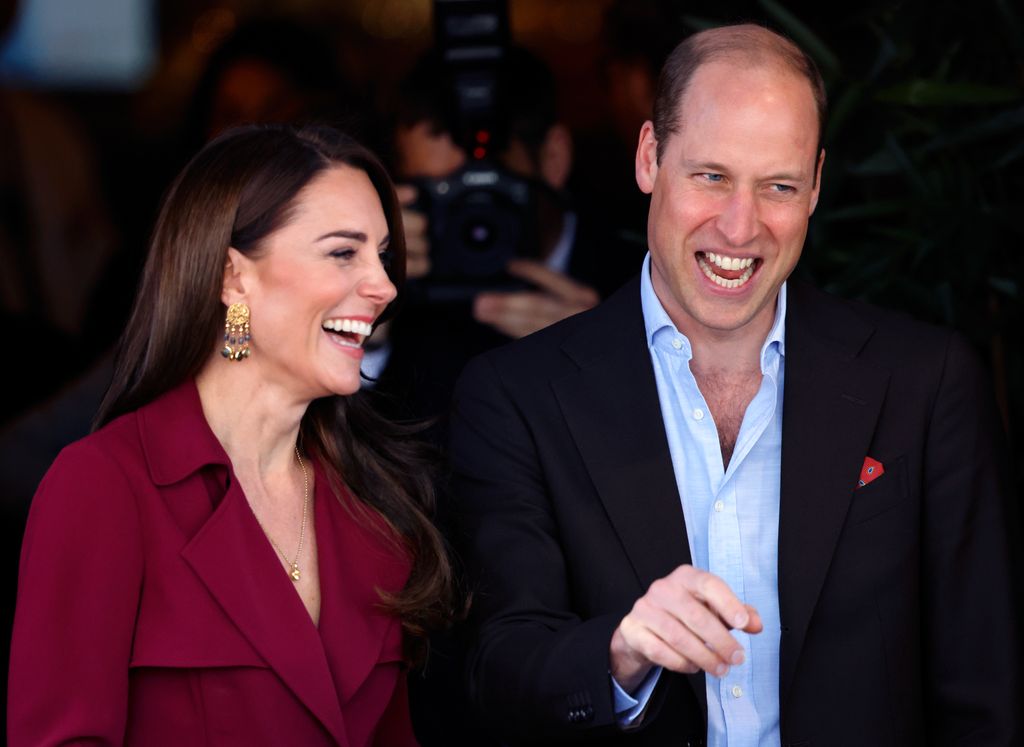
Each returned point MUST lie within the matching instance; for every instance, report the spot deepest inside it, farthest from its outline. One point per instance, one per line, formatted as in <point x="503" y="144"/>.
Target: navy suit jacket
<point x="896" y="605"/>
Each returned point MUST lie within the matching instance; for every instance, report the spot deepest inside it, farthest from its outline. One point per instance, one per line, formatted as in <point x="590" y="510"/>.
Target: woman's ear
<point x="237" y="270"/>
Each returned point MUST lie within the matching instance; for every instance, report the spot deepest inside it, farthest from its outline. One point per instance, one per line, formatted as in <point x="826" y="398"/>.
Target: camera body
<point x="479" y="218"/>
<point x="482" y="215"/>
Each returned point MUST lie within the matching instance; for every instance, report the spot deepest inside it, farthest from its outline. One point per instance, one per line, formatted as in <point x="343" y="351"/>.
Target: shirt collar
<point x="656" y="318"/>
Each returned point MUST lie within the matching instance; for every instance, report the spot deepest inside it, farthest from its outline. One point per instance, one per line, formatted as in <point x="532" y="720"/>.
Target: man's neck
<point x="730" y="352"/>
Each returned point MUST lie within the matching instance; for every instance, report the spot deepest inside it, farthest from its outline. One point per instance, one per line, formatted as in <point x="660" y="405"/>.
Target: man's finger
<point x="682" y="637"/>
<point x="716" y="595"/>
<point x="406" y="194"/>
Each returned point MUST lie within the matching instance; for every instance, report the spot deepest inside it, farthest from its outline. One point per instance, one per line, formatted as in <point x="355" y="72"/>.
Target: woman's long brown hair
<point x="238" y="190"/>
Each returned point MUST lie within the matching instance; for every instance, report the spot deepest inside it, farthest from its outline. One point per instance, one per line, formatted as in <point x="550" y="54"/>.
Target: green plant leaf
<point x="924" y="92"/>
<point x="801" y="33"/>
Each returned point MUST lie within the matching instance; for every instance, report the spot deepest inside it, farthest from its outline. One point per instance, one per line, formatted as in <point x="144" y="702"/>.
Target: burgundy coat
<point x="153" y="611"/>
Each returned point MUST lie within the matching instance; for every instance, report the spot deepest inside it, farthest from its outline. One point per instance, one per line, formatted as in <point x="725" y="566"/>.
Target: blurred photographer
<point x="563" y="266"/>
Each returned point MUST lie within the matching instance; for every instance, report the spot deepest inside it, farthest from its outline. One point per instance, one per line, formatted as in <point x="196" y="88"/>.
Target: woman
<point x="241" y="553"/>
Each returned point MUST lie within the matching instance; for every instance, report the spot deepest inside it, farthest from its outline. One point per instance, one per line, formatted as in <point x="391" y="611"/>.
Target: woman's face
<point x="317" y="286"/>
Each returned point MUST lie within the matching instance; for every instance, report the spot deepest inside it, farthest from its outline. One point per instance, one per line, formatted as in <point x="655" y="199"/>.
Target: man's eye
<point x="783" y="188"/>
<point x="713" y="177"/>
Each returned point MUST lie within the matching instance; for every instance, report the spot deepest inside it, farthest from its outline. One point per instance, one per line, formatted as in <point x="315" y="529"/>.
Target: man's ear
<point x="817" y="182"/>
<point x="556" y="156"/>
<point x="647" y="158"/>
<point x="237" y="277"/>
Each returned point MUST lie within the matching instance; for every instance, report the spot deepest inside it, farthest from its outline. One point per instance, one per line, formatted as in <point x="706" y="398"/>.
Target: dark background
<point x="922" y="201"/>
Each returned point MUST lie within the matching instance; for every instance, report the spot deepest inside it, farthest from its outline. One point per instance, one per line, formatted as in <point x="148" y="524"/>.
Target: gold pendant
<point x="295" y="572"/>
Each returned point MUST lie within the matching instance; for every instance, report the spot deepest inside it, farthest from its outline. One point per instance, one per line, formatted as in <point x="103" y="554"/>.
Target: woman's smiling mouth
<point x="349" y="333"/>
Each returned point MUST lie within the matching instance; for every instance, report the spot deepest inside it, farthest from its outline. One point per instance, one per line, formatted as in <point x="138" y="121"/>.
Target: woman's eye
<point x="386" y="258"/>
<point x="343" y="253"/>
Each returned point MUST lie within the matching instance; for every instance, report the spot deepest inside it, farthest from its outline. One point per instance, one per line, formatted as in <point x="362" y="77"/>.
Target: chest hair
<point x="728" y="394"/>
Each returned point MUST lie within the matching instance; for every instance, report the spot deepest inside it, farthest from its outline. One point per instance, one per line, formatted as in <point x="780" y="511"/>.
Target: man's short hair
<point x="744" y="43"/>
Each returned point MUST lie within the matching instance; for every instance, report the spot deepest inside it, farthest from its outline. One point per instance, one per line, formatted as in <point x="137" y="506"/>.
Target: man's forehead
<point x="725" y="74"/>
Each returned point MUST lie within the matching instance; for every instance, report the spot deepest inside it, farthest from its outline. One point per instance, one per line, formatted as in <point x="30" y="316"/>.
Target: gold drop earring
<point x="236" y="333"/>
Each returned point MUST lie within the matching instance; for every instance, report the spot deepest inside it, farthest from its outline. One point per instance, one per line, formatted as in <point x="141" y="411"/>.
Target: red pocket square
<point x="871" y="470"/>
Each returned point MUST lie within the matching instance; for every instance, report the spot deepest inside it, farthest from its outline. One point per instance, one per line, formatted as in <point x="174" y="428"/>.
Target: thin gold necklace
<point x="295" y="573"/>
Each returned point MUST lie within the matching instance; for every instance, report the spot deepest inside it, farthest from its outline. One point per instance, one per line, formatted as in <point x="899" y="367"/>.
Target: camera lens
<point x="478" y="235"/>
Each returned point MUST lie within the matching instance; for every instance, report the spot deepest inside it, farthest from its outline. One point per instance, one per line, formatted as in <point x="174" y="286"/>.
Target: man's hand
<point x="517" y="314"/>
<point x="417" y="242"/>
<point x="682" y="623"/>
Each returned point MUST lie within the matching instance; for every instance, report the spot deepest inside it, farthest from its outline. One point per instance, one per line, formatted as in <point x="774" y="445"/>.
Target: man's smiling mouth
<point x="728" y="272"/>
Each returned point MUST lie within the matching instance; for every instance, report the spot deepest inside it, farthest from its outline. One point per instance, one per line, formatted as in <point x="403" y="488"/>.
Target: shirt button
<point x="719" y="505"/>
<point x="698" y="414"/>
<point x="737" y="691"/>
<point x="677" y="343"/>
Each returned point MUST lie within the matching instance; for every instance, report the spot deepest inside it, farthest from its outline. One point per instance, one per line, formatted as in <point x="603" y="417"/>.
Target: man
<point x="722" y="508"/>
<point x="570" y="267"/>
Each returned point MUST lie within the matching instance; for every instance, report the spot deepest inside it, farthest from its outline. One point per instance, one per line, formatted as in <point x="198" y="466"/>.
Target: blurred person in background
<point x="573" y="264"/>
<point x="56" y="240"/>
<point x="636" y="37"/>
<point x="243" y="547"/>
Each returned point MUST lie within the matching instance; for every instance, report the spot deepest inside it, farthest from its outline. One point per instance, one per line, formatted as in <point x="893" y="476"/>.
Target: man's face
<point x="424" y="152"/>
<point x="731" y="197"/>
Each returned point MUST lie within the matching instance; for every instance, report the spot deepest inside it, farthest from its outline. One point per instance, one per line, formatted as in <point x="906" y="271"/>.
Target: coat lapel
<point x="831" y="403"/>
<point x="359" y="558"/>
<point x="232" y="557"/>
<point x="230" y="554"/>
<point x="613" y="413"/>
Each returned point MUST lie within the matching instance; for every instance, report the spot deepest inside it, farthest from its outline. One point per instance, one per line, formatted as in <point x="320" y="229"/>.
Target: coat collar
<point x="231" y="555"/>
<point x="176" y="439"/>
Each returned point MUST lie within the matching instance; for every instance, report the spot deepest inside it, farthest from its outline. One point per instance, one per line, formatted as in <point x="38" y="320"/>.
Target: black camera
<point x="482" y="215"/>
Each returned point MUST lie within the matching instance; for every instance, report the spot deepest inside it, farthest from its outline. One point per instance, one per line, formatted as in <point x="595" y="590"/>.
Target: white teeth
<point x="354" y="326"/>
<point x="729" y="263"/>
<point x="726" y="263"/>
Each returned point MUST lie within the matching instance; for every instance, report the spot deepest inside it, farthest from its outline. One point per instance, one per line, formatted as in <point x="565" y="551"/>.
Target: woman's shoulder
<point x="108" y="454"/>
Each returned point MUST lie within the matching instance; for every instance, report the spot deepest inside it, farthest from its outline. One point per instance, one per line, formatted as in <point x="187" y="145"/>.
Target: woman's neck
<point x="255" y="421"/>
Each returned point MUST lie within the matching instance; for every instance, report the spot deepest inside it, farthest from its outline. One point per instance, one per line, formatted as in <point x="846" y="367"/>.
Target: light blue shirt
<point x="732" y="519"/>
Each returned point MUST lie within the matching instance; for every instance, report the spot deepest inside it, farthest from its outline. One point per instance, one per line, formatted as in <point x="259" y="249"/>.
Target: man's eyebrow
<point x="704" y="166"/>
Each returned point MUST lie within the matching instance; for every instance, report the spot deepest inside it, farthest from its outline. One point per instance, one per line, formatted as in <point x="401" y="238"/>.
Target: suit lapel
<point x="831" y="403"/>
<point x="233" y="559"/>
<point x="612" y="410"/>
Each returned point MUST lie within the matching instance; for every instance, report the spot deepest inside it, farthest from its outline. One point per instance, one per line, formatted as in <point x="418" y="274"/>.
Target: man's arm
<point x="519" y="313"/>
<point x="535" y="668"/>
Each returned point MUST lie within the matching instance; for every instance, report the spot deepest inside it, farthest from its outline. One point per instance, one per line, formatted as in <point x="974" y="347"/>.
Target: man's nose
<point x="739" y="221"/>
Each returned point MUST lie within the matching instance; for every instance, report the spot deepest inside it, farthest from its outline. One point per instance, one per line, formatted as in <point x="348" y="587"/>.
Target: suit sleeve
<point x="971" y="631"/>
<point x="78" y="592"/>
<point x="535" y="668"/>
